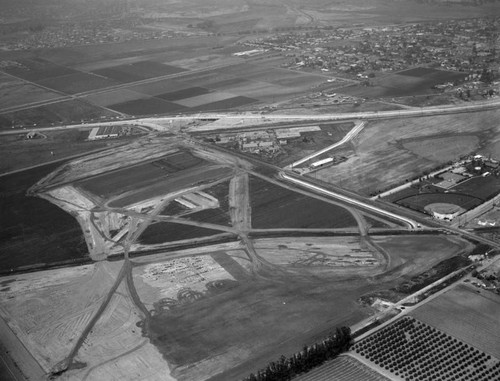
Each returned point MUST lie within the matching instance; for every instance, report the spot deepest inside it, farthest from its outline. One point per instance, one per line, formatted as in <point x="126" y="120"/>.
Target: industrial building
<point x="104" y="132"/>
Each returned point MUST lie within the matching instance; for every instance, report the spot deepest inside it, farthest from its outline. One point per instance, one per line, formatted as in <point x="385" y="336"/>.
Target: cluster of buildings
<point x="89" y="33"/>
<point x="263" y="142"/>
<point x="460" y="45"/>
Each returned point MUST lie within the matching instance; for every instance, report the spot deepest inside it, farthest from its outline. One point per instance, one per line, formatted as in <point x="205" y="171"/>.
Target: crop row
<point x="413" y="350"/>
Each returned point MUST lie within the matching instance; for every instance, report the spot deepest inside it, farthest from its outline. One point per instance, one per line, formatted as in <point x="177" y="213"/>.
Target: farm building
<point x="104" y="132"/>
<point x="321" y="163"/>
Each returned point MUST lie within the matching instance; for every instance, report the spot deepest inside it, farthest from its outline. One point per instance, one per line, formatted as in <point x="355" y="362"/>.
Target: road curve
<point x="411" y="223"/>
<point x="351" y="134"/>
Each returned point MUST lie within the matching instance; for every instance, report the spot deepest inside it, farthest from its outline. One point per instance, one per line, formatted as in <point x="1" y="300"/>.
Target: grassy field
<point x="277" y="207"/>
<point x="17" y="93"/>
<point x="481" y="187"/>
<point x="420" y="201"/>
<point x="367" y="171"/>
<point x="17" y="152"/>
<point x="466" y="315"/>
<point x="72" y="111"/>
<point x="411" y="82"/>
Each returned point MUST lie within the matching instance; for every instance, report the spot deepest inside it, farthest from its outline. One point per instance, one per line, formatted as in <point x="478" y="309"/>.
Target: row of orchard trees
<point x="310" y="357"/>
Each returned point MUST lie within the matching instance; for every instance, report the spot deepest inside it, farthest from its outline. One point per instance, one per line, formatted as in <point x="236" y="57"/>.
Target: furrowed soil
<point x="277" y="207"/>
<point x="466" y="315"/>
<point x="32" y="230"/>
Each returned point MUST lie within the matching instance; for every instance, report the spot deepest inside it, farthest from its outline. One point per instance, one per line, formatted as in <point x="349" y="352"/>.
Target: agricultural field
<point x="467" y="315"/>
<point x="76" y="83"/>
<point x="17" y="151"/>
<point x="274" y="206"/>
<point x="142" y="175"/>
<point x="163" y="232"/>
<point x="147" y="106"/>
<point x="32" y="230"/>
<point x="37" y="69"/>
<point x="184" y="93"/>
<point x="219" y="215"/>
<point x="170" y="184"/>
<point x="16" y="93"/>
<point x="412" y="350"/>
<point x="224" y="104"/>
<point x="343" y="368"/>
<point x="366" y="170"/>
<point x="71" y="111"/>
<point x="137" y="71"/>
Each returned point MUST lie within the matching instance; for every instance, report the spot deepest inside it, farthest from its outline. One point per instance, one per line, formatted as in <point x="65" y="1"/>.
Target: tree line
<point x="308" y="358"/>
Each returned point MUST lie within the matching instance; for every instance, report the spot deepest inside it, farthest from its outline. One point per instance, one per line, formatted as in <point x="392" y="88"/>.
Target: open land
<point x="411" y="348"/>
<point x="209" y="266"/>
<point x="366" y="171"/>
<point x="467" y="315"/>
<point x="274" y="206"/>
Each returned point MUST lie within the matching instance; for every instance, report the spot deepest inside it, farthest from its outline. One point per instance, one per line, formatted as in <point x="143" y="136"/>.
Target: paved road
<point x="350" y="135"/>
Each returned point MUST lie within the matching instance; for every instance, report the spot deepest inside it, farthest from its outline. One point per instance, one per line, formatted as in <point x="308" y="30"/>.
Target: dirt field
<point x="47" y="310"/>
<point x="446" y="148"/>
<point x="212" y="335"/>
<point x="411" y="255"/>
<point x="367" y="171"/>
<point x="332" y="256"/>
<point x="463" y="313"/>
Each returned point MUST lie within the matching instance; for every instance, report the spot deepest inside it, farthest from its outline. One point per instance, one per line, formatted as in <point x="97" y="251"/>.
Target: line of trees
<point x="310" y="357"/>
